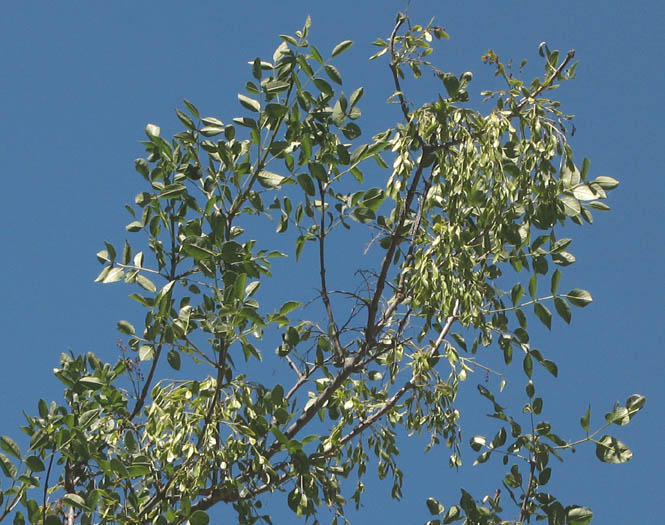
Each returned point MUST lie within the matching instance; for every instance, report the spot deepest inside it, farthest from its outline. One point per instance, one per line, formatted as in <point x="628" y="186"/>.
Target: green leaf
<point x="125" y="327"/>
<point x="306" y="184"/>
<point x="152" y="130"/>
<point x="451" y="82"/>
<point x="114" y="274"/>
<point x="173" y="357"/>
<point x="635" y="403"/>
<point x="600" y="206"/>
<point x="126" y="253"/>
<point x="317" y="56"/>
<point x="276" y="86"/>
<point x="556" y="278"/>
<point x="341" y="47"/>
<point x="579" y="297"/>
<point x="533" y="286"/>
<point x="192" y="108"/>
<point x="324" y="87"/>
<point x="516" y="293"/>
<point x="288" y="306"/>
<point x="550" y="366"/>
<point x="185" y="119"/>
<point x="91" y="382"/>
<point x="333" y="73"/>
<point x="578" y="515"/>
<point x="35" y="464"/>
<point x="196" y="251"/>
<point x="356" y="96"/>
<point x="373" y="198"/>
<point x="583" y="192"/>
<point x="434" y="506"/>
<point x="611" y="450"/>
<point x="146" y="353"/>
<point x="276" y="111"/>
<point x="249" y="103"/>
<point x="543" y="314"/>
<point x="8" y="468"/>
<point x="571" y="206"/>
<point x="562" y="308"/>
<point x="173" y="191"/>
<point x="9" y="446"/>
<point x="256" y="68"/>
<point x="75" y="501"/>
<point x="134" y="226"/>
<point x="527" y="365"/>
<point x="268" y="179"/>
<point x="584" y="420"/>
<point x="452" y="515"/>
<point x="607" y="183"/>
<point x="130" y="442"/>
<point x="145" y="283"/>
<point x="563" y="258"/>
<point x="211" y="131"/>
<point x="199" y="517"/>
<point x="561" y="245"/>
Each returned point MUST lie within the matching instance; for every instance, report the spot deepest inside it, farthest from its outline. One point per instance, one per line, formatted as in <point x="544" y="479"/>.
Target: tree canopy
<point x="304" y="397"/>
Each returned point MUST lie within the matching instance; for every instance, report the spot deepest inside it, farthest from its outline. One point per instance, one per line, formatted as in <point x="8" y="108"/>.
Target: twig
<point x="401" y="18"/>
<point x="524" y="514"/>
<point x="48" y="474"/>
<point x="322" y="271"/>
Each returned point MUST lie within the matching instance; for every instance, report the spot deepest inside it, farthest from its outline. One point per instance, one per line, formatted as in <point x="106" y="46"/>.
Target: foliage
<point x="464" y="234"/>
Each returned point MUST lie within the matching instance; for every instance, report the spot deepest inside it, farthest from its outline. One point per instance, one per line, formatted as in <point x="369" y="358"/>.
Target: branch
<point x="370" y="330"/>
<point x="322" y="266"/>
<point x="548" y="82"/>
<point x="524" y="514"/>
<point x="221" y="372"/>
<point x="48" y="475"/>
<point x="401" y="17"/>
<point x="146" y="387"/>
<point x="411" y="383"/>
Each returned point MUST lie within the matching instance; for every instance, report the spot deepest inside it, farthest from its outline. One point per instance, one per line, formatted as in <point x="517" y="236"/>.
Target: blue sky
<point x="80" y="81"/>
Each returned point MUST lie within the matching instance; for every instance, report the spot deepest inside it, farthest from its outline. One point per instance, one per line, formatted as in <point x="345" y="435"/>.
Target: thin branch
<point x="322" y="271"/>
<point x="48" y="474"/>
<point x="524" y="514"/>
<point x="221" y="372"/>
<point x="401" y="18"/>
<point x="146" y="387"/>
<point x="569" y="56"/>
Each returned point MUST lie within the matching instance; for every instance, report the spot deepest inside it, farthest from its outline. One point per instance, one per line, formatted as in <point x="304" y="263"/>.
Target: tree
<point x="464" y="227"/>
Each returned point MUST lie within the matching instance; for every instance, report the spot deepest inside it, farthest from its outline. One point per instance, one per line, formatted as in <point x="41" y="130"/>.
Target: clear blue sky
<point x="79" y="81"/>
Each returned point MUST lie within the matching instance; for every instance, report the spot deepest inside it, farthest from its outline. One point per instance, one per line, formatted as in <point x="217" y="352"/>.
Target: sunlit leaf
<point x="269" y="179"/>
<point x="611" y="450"/>
<point x="341" y="47"/>
<point x="249" y="103"/>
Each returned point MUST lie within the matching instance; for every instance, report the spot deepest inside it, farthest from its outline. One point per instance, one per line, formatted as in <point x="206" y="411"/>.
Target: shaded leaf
<point x="562" y="308"/>
<point x="584" y="420"/>
<point x="579" y="297"/>
<point x="125" y="327"/>
<point x="434" y="506"/>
